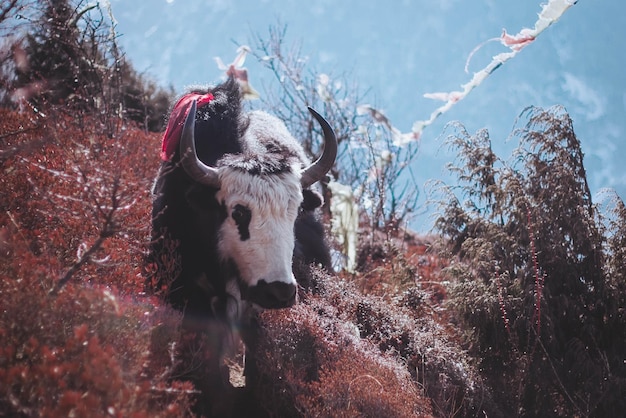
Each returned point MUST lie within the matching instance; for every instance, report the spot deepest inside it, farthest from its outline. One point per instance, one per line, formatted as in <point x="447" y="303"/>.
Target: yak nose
<point x="273" y="295"/>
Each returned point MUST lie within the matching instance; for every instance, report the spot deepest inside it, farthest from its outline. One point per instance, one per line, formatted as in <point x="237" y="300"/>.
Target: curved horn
<point x="192" y="165"/>
<point x="324" y="163"/>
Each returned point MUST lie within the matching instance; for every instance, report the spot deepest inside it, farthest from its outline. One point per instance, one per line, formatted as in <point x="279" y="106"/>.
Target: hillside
<point x="514" y="306"/>
<point x="519" y="311"/>
<point x="79" y="336"/>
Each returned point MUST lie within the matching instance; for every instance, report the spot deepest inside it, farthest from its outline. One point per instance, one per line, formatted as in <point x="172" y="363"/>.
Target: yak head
<point x="260" y="192"/>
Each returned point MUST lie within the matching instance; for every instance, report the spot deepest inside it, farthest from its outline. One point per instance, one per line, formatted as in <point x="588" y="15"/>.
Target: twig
<point x="76" y="266"/>
<point x="556" y="375"/>
<point x="363" y="376"/>
<point x="19" y="230"/>
<point x="538" y="277"/>
<point x="501" y="301"/>
<point x="108" y="230"/>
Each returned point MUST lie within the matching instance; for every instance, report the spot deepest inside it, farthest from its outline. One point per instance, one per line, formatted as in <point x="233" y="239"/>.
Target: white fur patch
<point x="263" y="128"/>
<point x="274" y="201"/>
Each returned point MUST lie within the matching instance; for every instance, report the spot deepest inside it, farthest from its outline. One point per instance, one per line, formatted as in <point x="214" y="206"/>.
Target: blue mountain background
<point x="400" y="50"/>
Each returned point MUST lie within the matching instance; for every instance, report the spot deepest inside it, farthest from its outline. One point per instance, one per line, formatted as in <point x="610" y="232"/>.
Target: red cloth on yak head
<point x="171" y="137"/>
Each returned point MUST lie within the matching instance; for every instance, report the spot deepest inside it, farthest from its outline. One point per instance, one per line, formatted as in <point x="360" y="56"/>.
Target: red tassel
<point x="171" y="137"/>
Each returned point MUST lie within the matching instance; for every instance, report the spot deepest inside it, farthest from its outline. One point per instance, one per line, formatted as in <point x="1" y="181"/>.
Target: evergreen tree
<point x="59" y="59"/>
<point x="74" y="61"/>
<point x="530" y="272"/>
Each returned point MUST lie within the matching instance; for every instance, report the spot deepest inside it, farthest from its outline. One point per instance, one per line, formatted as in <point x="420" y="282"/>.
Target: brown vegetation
<point x="516" y="308"/>
<point x="76" y="335"/>
<point x="80" y="337"/>
<point x="536" y="273"/>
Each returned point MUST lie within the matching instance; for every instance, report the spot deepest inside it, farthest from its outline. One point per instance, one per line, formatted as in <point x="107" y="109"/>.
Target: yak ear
<point x="312" y="199"/>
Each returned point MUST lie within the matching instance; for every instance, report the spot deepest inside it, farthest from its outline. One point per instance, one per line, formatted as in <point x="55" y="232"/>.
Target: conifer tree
<point x="530" y="271"/>
<point x="58" y="58"/>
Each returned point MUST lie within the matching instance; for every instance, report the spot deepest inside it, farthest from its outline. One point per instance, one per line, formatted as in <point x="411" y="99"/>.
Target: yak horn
<point x="325" y="162"/>
<point x="192" y="165"/>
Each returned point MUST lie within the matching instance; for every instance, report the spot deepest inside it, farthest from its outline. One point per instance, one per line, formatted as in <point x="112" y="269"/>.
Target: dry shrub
<point x="84" y="352"/>
<point x="78" y="196"/>
<point x="90" y="348"/>
<point x="358" y="385"/>
<point x="428" y="349"/>
<point x="318" y="366"/>
<point x="532" y="276"/>
<point x="398" y="262"/>
<point x="336" y="341"/>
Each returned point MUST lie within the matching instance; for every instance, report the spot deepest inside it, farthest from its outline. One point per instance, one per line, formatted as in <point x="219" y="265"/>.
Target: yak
<point x="233" y="215"/>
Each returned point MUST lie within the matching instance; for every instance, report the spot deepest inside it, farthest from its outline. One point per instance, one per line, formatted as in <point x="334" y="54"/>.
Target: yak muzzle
<point x="273" y="295"/>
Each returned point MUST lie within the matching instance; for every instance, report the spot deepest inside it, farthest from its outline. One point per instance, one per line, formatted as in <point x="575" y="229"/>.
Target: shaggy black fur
<point x="186" y="218"/>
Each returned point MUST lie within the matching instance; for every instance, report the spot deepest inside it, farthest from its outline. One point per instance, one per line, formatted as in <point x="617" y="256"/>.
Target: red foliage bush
<point x="316" y="365"/>
<point x="337" y="342"/>
<point x="67" y="187"/>
<point x="397" y="262"/>
<point x="84" y="352"/>
<point x="88" y="349"/>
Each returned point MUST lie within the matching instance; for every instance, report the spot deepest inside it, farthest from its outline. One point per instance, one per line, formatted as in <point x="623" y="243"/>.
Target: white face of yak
<point x="258" y="232"/>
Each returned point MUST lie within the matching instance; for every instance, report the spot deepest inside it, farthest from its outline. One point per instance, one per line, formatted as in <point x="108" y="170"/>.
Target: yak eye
<point x="241" y="214"/>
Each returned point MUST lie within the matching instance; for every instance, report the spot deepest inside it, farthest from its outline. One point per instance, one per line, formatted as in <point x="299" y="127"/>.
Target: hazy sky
<point x="400" y="50"/>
